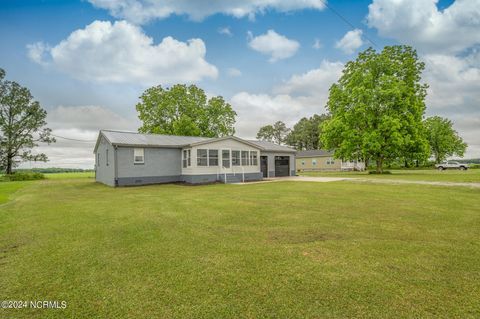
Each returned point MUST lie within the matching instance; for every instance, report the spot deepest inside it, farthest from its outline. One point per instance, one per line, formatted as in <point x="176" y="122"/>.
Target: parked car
<point x="451" y="165"/>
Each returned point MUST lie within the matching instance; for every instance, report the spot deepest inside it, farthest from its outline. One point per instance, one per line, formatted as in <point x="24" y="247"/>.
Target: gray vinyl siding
<point x="105" y="173"/>
<point x="159" y="162"/>
<point x="271" y="161"/>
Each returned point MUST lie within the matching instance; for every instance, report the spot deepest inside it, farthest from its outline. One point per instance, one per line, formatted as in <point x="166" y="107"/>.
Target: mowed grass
<point x="469" y="176"/>
<point x="281" y="250"/>
<point x="70" y="175"/>
<point x="8" y="188"/>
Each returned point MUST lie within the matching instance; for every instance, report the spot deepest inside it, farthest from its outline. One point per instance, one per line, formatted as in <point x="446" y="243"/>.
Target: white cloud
<point x="317" y="44"/>
<point x="447" y="41"/>
<point x="36" y="52"/>
<point x="454" y="92"/>
<point x="88" y="118"/>
<point x="79" y="127"/>
<point x="121" y="52"/>
<point x="225" y="31"/>
<point x="421" y="24"/>
<point x="141" y="11"/>
<point x="275" y="45"/>
<point x="351" y="41"/>
<point x="301" y="95"/>
<point x="233" y="72"/>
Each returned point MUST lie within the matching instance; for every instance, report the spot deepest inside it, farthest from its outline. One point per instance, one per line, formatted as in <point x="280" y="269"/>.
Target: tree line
<point x="375" y="112"/>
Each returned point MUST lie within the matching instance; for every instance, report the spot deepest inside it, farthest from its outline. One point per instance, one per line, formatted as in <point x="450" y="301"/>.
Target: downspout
<point x="115" y="165"/>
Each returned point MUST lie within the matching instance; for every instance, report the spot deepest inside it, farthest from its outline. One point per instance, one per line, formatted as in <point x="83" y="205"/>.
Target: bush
<point x="474" y="166"/>
<point x="23" y="176"/>
<point x="375" y="172"/>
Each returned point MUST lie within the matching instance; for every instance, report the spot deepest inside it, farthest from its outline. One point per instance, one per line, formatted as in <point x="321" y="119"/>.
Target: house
<point x="128" y="158"/>
<point x="321" y="160"/>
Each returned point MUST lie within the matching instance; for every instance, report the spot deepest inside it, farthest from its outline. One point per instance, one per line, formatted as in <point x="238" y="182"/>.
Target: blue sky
<point x="88" y="61"/>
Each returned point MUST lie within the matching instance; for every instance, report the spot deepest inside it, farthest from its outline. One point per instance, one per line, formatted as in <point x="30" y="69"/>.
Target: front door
<point x="264" y="165"/>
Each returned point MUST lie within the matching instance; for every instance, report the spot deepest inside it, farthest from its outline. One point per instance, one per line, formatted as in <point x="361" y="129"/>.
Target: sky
<point x="88" y="61"/>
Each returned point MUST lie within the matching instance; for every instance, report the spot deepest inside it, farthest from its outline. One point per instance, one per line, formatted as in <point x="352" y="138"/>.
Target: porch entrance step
<point x="231" y="179"/>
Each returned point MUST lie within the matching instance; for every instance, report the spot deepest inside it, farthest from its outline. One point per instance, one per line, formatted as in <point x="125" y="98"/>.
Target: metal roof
<point x="124" y="138"/>
<point x="138" y="139"/>
<point x="312" y="153"/>
<point x="269" y="146"/>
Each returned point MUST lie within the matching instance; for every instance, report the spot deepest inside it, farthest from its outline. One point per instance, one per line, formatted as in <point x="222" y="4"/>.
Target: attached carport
<point x="276" y="160"/>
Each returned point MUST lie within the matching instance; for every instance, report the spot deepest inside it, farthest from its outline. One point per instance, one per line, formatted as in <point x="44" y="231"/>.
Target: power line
<point x="73" y="139"/>
<point x="346" y="21"/>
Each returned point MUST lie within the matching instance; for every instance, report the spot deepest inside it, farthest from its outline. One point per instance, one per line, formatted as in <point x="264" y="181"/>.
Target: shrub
<point x="23" y="176"/>
<point x="375" y="172"/>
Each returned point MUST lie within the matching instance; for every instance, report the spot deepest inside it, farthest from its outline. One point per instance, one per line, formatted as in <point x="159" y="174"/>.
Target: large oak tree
<point x="184" y="110"/>
<point x="22" y="122"/>
<point x="377" y="107"/>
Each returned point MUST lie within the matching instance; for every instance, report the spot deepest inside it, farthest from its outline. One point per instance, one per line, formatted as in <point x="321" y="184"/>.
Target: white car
<point x="451" y="165"/>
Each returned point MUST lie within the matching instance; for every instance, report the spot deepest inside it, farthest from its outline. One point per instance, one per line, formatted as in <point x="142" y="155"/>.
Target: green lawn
<point x="8" y="188"/>
<point x="281" y="250"/>
<point x="69" y="175"/>
<point x="471" y="175"/>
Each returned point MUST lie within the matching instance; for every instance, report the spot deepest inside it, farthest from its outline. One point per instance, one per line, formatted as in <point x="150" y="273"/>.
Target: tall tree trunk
<point x="9" y="165"/>
<point x="379" y="165"/>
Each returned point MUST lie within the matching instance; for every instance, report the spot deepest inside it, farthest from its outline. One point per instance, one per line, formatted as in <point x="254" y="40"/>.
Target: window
<point x="235" y="158"/>
<point x="106" y="156"/>
<point x="186" y="158"/>
<point x="303" y="163"/>
<point x="253" y="158"/>
<point x="212" y="157"/>
<point x="226" y="158"/>
<point x="138" y="156"/>
<point x="202" y="157"/>
<point x="314" y="162"/>
<point x="244" y="158"/>
<point x="330" y="161"/>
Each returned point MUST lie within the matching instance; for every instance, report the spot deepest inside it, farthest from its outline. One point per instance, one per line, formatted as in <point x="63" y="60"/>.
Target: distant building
<point x="321" y="160"/>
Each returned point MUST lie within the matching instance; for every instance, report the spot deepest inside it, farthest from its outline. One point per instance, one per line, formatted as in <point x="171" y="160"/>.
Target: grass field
<point x="282" y="250"/>
<point x="69" y="175"/>
<point x="472" y="175"/>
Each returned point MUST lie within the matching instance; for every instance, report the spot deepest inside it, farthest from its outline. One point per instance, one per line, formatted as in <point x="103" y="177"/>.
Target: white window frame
<point x="314" y="162"/>
<point x="253" y="158"/>
<point x="201" y="158"/>
<point x="238" y="161"/>
<point x="247" y="158"/>
<point x="186" y="158"/>
<point x="229" y="159"/>
<point x="213" y="157"/>
<point x="138" y="152"/>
